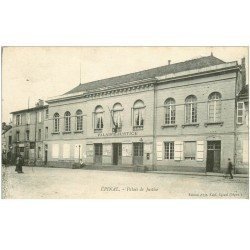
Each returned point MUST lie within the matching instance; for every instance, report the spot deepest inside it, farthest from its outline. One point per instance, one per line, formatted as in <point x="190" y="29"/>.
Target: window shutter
<point x="159" y="151"/>
<point x="178" y="150"/>
<point x="200" y="151"/>
<point x="66" y="151"/>
<point x="245" y="151"/>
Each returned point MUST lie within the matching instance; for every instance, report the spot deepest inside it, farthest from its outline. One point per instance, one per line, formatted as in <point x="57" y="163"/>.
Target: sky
<point x="32" y="73"/>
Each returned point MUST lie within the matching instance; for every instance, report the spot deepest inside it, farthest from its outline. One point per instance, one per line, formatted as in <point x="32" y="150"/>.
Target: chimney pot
<point x="169" y="62"/>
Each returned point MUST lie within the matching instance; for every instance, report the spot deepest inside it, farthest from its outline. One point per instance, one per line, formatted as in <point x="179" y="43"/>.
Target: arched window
<point x="117" y="115"/>
<point x="138" y="114"/>
<point x="191" y="109"/>
<point x="214" y="107"/>
<point x="79" y="119"/>
<point x="98" y="117"/>
<point x="56" y="122"/>
<point x="170" y="111"/>
<point x="67" y="121"/>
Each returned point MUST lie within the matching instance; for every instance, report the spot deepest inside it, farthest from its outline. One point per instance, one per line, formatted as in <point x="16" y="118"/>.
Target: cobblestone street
<point x="79" y="183"/>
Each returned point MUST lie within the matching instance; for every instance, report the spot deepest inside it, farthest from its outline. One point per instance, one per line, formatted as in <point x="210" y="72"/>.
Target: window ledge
<point x="78" y="132"/>
<point x="55" y="133"/>
<point x="66" y="132"/>
<point x="169" y="125"/>
<point x="190" y="124"/>
<point x="138" y="128"/>
<point x="213" y="123"/>
<point x="97" y="130"/>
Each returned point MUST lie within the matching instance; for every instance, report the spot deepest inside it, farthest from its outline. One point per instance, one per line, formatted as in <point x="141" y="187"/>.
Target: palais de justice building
<point x="178" y="117"/>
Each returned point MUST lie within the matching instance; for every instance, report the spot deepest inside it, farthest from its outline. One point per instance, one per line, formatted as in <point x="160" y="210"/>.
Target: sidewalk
<point x="198" y="173"/>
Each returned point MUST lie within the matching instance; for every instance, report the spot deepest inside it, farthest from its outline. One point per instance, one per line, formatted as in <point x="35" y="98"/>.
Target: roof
<point x="244" y="92"/>
<point x="149" y="73"/>
<point x="30" y="109"/>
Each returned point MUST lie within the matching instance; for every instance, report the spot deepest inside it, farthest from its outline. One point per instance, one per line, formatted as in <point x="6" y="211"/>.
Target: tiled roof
<point x="30" y="109"/>
<point x="150" y="73"/>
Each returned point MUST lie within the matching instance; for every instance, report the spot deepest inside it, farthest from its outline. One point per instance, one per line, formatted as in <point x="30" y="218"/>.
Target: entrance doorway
<point x="98" y="153"/>
<point x="117" y="153"/>
<point x="213" y="156"/>
<point x="138" y="153"/>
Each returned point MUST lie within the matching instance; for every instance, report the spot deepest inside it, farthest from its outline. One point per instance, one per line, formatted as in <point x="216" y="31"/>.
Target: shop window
<point x="169" y="150"/>
<point x="138" y="115"/>
<point x="98" y="118"/>
<point x="191" y="109"/>
<point x="190" y="150"/>
<point x="170" y="111"/>
<point x="79" y="120"/>
<point x="214" y="107"/>
<point x="56" y="122"/>
<point x="67" y="121"/>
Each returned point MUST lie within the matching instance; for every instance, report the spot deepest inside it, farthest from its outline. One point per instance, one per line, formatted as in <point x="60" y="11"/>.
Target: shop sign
<point x="131" y="133"/>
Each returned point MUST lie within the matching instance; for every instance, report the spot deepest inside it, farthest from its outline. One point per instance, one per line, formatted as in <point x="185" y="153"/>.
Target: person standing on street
<point x="19" y="164"/>
<point x="230" y="168"/>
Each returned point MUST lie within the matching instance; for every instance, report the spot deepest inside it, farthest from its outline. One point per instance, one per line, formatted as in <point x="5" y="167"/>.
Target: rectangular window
<point x="17" y="136"/>
<point x="46" y="114"/>
<point x="240" y="112"/>
<point x="27" y="135"/>
<point x="79" y="123"/>
<point x="40" y="116"/>
<point x="28" y="118"/>
<point x="46" y="132"/>
<point x="190" y="150"/>
<point x="191" y="113"/>
<point x="18" y="120"/>
<point x="170" y="115"/>
<point x="39" y="135"/>
<point x="99" y="121"/>
<point x="169" y="150"/>
<point x="39" y="153"/>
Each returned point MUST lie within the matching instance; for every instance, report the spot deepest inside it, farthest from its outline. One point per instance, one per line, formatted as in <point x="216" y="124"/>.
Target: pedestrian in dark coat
<point x="19" y="164"/>
<point x="230" y="168"/>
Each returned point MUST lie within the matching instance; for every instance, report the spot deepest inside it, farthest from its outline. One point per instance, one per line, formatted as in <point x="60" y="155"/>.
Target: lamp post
<point x="79" y="152"/>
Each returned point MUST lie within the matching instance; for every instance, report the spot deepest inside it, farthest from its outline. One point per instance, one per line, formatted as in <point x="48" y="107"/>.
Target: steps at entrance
<point x="111" y="168"/>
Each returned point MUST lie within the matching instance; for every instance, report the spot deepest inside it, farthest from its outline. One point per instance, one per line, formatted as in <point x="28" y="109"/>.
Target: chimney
<point x="169" y="62"/>
<point x="40" y="103"/>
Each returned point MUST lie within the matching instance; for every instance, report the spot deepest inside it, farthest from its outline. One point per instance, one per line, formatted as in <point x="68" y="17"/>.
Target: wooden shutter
<point x="178" y="150"/>
<point x="159" y="151"/>
<point x="200" y="151"/>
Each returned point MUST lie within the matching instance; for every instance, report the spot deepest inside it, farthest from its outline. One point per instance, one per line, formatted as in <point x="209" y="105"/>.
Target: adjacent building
<point x="178" y="117"/>
<point x="28" y="133"/>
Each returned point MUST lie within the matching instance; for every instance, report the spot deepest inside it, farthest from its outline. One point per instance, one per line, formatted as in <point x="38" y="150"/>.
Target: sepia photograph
<point x="125" y="123"/>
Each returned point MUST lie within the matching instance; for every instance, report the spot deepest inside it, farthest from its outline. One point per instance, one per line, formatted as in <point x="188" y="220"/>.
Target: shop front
<point x="118" y="150"/>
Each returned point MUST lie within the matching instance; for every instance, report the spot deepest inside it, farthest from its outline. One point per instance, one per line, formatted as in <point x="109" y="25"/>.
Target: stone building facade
<point x="178" y="117"/>
<point x="28" y="133"/>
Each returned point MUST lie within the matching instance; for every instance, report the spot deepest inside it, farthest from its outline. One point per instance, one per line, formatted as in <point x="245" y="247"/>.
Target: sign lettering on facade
<point x="131" y="133"/>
